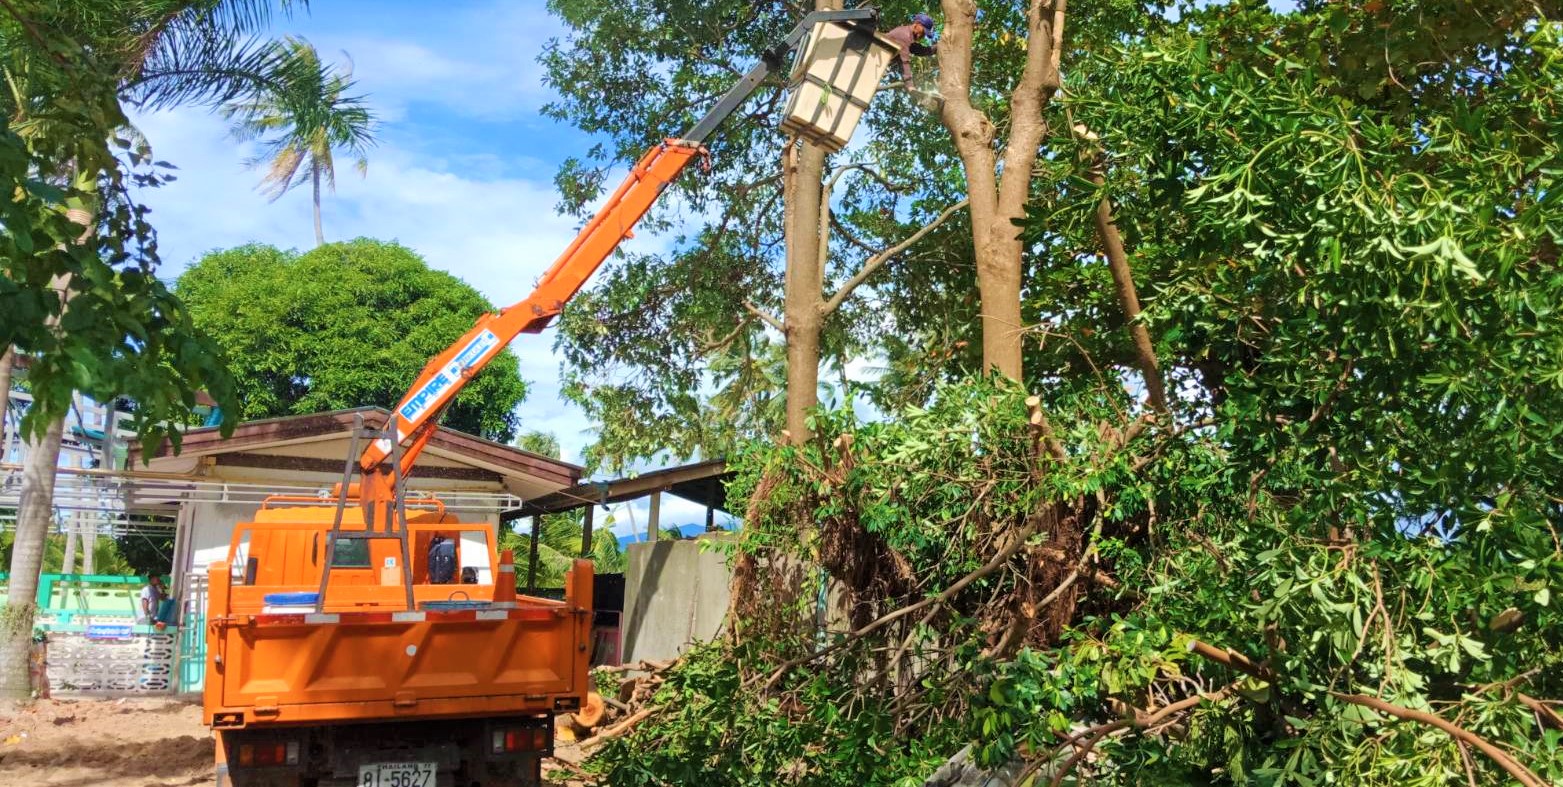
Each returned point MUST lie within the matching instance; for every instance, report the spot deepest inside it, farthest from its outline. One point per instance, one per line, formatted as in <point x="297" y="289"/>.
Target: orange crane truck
<point x="370" y="638"/>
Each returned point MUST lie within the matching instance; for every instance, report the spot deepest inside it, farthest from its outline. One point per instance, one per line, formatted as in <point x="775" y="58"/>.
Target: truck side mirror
<point x="251" y="565"/>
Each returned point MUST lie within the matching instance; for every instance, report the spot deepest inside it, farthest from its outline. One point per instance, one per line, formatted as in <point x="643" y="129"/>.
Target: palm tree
<point x="102" y="56"/>
<point x="302" y="122"/>
<point x="558" y="544"/>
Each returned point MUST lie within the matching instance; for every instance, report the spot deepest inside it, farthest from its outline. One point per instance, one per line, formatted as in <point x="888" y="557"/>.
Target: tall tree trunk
<point x="803" y="169"/>
<point x="998" y="200"/>
<point x="320" y="235"/>
<point x="87" y="530"/>
<point x="68" y="562"/>
<point x="803" y="166"/>
<point x="35" y="509"/>
<point x="106" y="461"/>
<point x="73" y="531"/>
<point x="33" y="515"/>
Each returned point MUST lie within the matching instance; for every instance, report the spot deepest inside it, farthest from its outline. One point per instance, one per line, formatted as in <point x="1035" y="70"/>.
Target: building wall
<point x="211" y="528"/>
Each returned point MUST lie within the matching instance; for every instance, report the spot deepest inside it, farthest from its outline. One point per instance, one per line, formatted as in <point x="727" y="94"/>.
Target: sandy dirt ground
<point x="104" y="743"/>
<point x="109" y="743"/>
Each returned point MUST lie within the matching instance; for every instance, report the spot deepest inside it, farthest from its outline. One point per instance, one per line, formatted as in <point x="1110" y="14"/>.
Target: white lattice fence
<point x="89" y="661"/>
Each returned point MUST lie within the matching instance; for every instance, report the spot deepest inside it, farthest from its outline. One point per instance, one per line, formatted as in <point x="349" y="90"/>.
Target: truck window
<point x="241" y="555"/>
<point x="474" y="556"/>
<point x="350" y="553"/>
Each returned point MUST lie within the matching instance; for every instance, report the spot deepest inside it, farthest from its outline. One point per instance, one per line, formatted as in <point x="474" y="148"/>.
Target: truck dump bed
<point x="467" y="650"/>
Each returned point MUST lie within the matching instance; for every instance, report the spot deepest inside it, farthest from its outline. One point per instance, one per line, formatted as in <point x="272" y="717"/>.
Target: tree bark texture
<point x="87" y="530"/>
<point x="68" y="563"/>
<point x="803" y="167"/>
<point x="998" y="200"/>
<point x="35" y="509"/>
<point x="1123" y="283"/>
<point x="33" y="515"/>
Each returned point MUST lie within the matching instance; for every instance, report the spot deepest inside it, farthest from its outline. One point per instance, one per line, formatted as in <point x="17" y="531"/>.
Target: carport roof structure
<point x="704" y="483"/>
<point x="313" y="446"/>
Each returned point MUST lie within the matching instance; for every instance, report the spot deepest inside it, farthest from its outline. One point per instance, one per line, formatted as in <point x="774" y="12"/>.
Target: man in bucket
<point x="916" y="37"/>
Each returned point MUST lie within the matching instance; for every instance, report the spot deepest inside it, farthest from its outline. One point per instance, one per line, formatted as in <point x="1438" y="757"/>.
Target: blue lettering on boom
<point x="420" y="402"/>
<point x="475" y="349"/>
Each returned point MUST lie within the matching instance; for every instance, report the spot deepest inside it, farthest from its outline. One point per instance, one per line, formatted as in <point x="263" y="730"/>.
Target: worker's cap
<point x="925" y="20"/>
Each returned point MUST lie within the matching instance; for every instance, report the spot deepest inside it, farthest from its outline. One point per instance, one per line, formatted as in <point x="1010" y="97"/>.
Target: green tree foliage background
<point x="664" y="351"/>
<point x="343" y="325"/>
<point x="559" y="536"/>
<point x="1345" y="225"/>
<point x="66" y="144"/>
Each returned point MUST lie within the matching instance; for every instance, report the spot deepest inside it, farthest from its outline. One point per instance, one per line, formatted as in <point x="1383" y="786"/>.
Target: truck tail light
<point x="519" y="739"/>
<point x="268" y="753"/>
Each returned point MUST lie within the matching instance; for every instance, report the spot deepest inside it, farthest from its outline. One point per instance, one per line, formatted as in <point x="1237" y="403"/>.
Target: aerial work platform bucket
<point x="837" y="73"/>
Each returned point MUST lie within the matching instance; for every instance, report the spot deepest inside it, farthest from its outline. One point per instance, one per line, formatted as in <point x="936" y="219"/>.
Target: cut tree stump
<point x="592" y="713"/>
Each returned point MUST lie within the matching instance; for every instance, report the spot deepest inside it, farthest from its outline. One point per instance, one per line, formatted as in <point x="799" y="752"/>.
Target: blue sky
<point x="463" y="173"/>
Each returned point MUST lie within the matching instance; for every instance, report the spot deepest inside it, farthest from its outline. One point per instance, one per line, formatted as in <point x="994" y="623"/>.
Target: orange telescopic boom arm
<point x="449" y="372"/>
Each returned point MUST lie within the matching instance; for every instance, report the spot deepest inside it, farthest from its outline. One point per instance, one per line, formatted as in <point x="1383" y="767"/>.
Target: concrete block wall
<point x="675" y="594"/>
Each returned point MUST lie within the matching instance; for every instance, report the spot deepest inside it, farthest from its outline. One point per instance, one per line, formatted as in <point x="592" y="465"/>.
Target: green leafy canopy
<point x="344" y="325"/>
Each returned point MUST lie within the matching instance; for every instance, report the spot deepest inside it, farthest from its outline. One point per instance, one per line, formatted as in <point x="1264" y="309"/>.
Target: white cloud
<point x="497" y="234"/>
<point x="480" y="60"/>
<point x="463" y="174"/>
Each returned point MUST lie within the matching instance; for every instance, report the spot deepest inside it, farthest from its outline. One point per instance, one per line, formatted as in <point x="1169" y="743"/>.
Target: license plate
<point x="396" y="774"/>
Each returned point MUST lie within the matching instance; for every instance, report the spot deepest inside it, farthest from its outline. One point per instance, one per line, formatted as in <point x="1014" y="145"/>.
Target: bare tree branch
<point x="1544" y="712"/>
<point x="1123" y="276"/>
<point x="713" y="344"/>
<point x="764" y="316"/>
<point x="1141" y="720"/>
<point x="875" y="262"/>
<point x="1521" y="773"/>
<point x="1053" y="80"/>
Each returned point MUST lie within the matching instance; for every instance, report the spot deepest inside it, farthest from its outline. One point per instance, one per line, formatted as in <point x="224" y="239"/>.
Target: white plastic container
<point x="837" y="73"/>
<point x="287" y="609"/>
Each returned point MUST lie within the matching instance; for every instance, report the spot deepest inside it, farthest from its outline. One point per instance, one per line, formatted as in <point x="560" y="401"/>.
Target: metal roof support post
<point x="531" y="564"/>
<point x="654" y="519"/>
